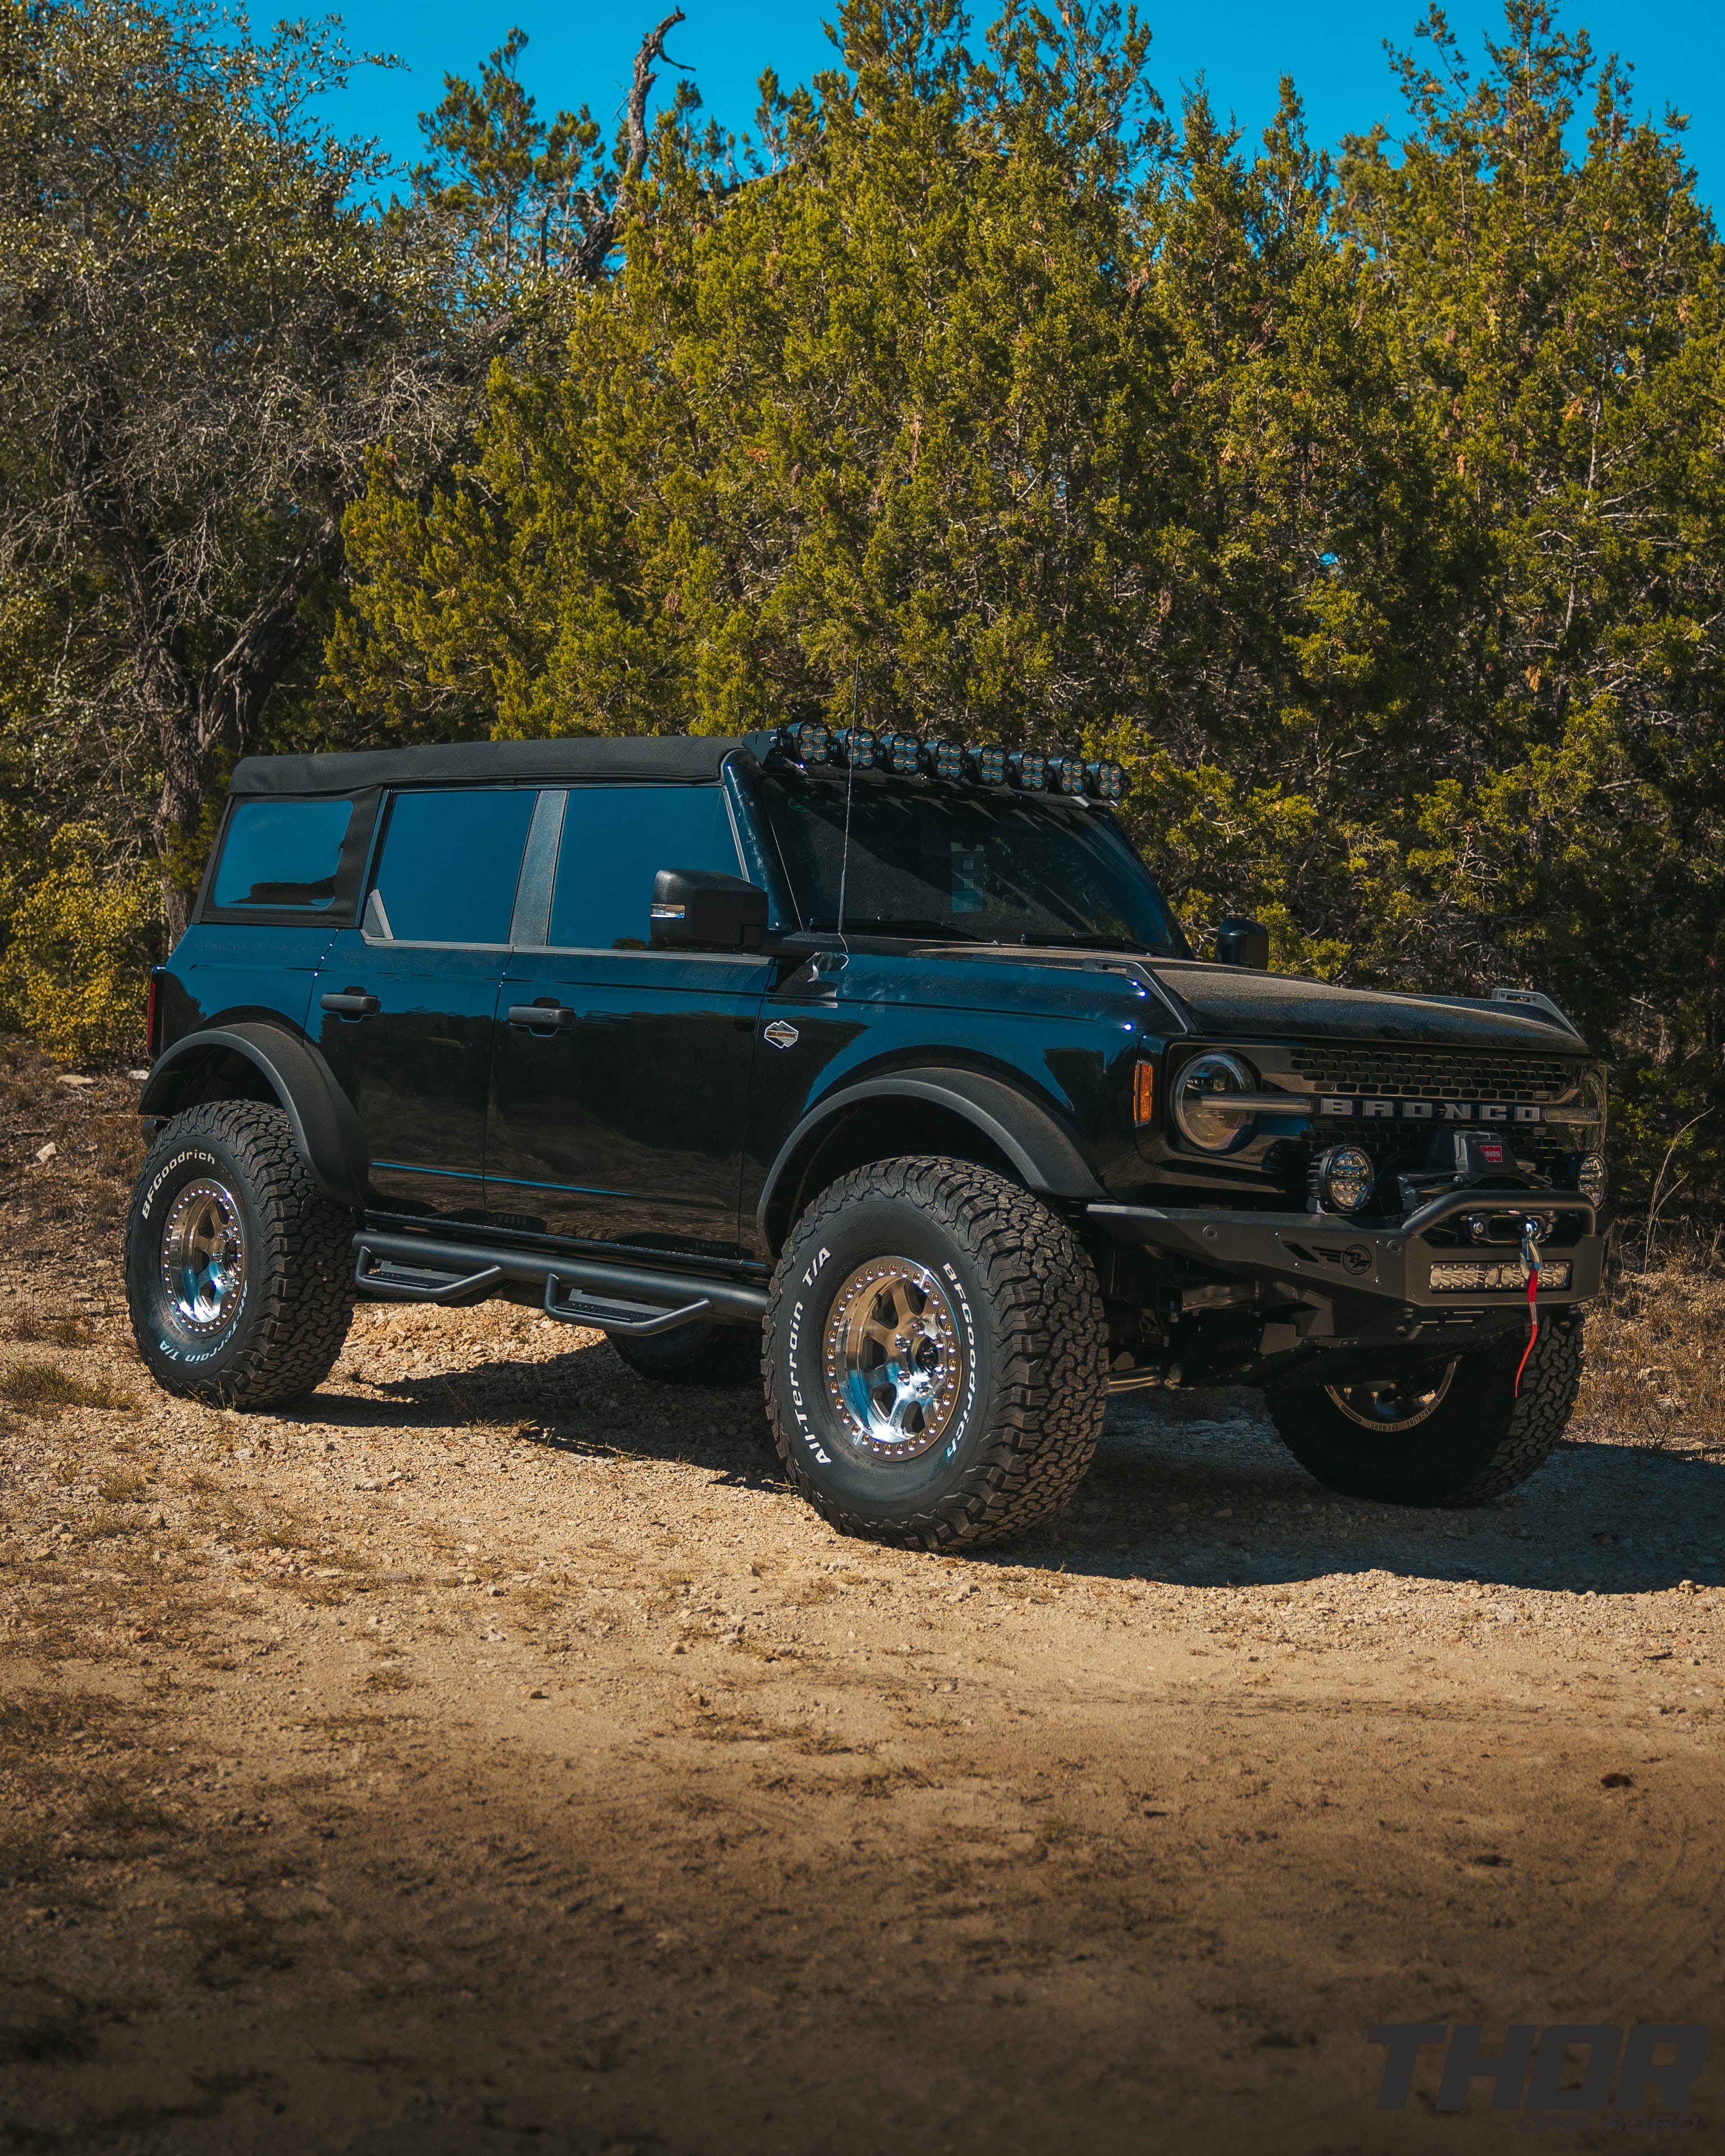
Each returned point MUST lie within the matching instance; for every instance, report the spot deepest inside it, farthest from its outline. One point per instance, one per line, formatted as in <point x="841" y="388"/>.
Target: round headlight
<point x="1201" y="1102"/>
<point x="1591" y="1179"/>
<point x="1346" y="1177"/>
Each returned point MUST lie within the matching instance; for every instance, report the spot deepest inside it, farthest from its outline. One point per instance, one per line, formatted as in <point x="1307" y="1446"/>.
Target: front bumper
<point x="1314" y="1254"/>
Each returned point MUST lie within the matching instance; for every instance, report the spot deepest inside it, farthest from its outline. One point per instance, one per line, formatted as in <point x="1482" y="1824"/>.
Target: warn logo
<point x="1429" y="1112"/>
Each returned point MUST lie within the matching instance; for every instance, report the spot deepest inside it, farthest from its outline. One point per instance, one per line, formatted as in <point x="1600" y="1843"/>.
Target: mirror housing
<point x="699" y="910"/>
<point x="1240" y="941"/>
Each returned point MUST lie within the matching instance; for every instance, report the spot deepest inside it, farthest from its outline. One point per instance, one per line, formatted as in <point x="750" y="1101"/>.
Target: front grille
<point x="1392" y="1073"/>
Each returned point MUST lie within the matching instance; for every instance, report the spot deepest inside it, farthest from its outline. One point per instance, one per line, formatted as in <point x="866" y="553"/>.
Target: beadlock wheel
<point x="203" y="1256"/>
<point x="894" y="1360"/>
<point x="1392" y="1404"/>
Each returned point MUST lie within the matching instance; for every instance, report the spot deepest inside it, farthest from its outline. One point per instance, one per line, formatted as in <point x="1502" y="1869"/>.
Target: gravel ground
<point x="492" y="1754"/>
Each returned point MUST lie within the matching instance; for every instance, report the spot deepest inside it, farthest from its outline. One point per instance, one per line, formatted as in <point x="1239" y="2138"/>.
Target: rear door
<point x="404" y="1005"/>
<point x="619" y="1115"/>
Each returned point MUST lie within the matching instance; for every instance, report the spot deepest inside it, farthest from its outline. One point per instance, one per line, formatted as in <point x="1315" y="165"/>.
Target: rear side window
<point x="450" y="863"/>
<point x="616" y="838"/>
<point x="281" y="854"/>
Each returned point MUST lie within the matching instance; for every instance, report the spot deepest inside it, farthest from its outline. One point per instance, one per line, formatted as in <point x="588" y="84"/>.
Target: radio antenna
<point x="850" y="782"/>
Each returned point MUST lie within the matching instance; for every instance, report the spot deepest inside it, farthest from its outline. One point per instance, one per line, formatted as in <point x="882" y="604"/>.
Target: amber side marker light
<point x="1144" y="1093"/>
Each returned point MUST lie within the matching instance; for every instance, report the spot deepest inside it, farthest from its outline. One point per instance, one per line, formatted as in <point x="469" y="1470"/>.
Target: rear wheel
<point x="935" y="1356"/>
<point x="694" y="1354"/>
<point x="1455" y="1433"/>
<point x="238" y="1270"/>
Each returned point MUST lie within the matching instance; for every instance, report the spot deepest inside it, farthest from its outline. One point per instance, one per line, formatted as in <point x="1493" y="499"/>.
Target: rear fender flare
<point x="1046" y="1158"/>
<point x="212" y="1064"/>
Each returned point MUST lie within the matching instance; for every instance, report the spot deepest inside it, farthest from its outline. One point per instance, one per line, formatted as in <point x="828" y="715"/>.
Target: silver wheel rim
<point x="203" y="1256"/>
<point x="1391" y="1405"/>
<point x="894" y="1361"/>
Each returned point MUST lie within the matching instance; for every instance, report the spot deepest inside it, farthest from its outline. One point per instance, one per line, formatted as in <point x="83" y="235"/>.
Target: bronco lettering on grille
<point x="1430" y="1111"/>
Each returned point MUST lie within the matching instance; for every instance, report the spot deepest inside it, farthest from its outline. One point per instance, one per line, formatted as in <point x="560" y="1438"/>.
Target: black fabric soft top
<point x="691" y="758"/>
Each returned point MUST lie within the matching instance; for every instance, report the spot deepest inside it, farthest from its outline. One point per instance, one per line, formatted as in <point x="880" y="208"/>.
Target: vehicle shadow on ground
<point x="1193" y="1488"/>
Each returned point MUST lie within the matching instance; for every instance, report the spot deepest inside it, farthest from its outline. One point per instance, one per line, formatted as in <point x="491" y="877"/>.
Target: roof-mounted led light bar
<point x="1025" y="770"/>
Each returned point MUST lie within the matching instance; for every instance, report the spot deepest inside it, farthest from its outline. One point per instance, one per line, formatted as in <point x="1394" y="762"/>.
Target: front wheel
<point x="1455" y="1433"/>
<point x="238" y="1269"/>
<point x="935" y="1356"/>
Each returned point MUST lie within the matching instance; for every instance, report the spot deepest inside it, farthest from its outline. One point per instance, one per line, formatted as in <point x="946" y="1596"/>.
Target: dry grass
<point x="1655" y="1374"/>
<point x="43" y="1389"/>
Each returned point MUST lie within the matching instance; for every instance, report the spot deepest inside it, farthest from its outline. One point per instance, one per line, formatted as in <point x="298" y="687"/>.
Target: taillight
<point x="152" y="1014"/>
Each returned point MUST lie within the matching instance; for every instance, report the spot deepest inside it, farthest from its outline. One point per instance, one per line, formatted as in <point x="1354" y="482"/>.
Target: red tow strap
<point x="1530" y="1258"/>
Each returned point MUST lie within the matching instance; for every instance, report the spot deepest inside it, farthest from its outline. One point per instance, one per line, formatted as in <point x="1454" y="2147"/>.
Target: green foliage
<point x="80" y="937"/>
<point x="1368" y="508"/>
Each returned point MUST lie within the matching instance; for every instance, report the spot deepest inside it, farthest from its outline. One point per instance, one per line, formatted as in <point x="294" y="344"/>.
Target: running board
<point x="630" y="1299"/>
<point x="635" y="1321"/>
<point x="393" y="1281"/>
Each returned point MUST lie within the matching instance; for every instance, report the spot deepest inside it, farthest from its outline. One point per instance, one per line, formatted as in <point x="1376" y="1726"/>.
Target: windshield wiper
<point x="911" y="925"/>
<point x="1086" y="941"/>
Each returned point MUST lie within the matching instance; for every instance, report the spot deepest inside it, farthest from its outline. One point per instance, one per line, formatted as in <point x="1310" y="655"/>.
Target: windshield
<point x="975" y="867"/>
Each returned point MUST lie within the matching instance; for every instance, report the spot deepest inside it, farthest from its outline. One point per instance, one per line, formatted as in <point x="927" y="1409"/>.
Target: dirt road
<point x="492" y="1755"/>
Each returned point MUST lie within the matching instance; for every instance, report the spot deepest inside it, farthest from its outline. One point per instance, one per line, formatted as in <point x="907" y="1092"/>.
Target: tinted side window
<point x="450" y="864"/>
<point x="616" y="838"/>
<point x="282" y="853"/>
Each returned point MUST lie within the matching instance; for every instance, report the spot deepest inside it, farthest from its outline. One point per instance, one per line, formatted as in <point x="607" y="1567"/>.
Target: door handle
<point x="542" y="1017"/>
<point x="354" y="1003"/>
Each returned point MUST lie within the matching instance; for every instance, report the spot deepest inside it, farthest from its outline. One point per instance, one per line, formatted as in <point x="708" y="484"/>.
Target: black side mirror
<point x="1242" y="942"/>
<point x="698" y="910"/>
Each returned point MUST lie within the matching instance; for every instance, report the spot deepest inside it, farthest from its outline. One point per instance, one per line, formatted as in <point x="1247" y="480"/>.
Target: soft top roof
<point x="688" y="758"/>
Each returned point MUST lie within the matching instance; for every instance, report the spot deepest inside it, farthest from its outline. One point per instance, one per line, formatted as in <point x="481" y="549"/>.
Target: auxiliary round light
<point x="1346" y="1177"/>
<point x="1026" y="768"/>
<point x="986" y="766"/>
<point x="1106" y="781"/>
<point x="809" y="742"/>
<point x="942" y="759"/>
<point x="899" y="753"/>
<point x="1592" y="1179"/>
<point x="1201" y="1102"/>
<point x="1066" y="774"/>
<point x="856" y="745"/>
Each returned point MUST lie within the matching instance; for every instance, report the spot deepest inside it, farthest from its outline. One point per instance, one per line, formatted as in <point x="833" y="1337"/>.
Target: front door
<point x="404" y="1004"/>
<point x="619" y="1115"/>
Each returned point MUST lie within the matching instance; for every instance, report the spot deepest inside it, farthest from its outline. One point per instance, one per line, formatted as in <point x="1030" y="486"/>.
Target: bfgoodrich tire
<point x="238" y="1270"/>
<point x="1463" y="1434"/>
<point x="935" y="1356"/>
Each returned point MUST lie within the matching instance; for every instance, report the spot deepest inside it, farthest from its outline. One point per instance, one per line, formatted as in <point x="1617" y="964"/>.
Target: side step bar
<point x="639" y="1320"/>
<point x="638" y="1299"/>
<point x="393" y="1281"/>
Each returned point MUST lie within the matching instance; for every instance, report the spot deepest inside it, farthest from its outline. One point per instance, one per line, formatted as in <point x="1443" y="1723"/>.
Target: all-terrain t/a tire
<point x="1466" y="1436"/>
<point x="238" y="1270"/>
<point x="694" y="1354"/>
<point x="935" y="1356"/>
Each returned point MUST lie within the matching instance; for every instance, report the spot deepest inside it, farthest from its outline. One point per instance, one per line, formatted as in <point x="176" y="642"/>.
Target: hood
<point x="1230" y="999"/>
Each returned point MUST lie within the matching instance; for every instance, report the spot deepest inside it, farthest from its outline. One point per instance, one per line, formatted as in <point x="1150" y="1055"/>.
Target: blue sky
<point x="579" y="52"/>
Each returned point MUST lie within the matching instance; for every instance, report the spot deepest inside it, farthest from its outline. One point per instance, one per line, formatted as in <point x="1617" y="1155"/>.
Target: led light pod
<point x="1346" y="1177"/>
<point x="942" y="759"/>
<point x="985" y="766"/>
<point x="1065" y="775"/>
<point x="1105" y="781"/>
<point x="809" y="742"/>
<point x="1027" y="769"/>
<point x="857" y="745"/>
<point x="1591" y="1178"/>
<point x="899" y="752"/>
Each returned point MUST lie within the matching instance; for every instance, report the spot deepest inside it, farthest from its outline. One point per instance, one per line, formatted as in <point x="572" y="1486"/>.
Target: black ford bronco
<point x="876" y="1068"/>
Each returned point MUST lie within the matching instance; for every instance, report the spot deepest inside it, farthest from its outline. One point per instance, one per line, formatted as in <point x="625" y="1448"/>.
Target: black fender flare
<point x="328" y="1136"/>
<point x="1048" y="1158"/>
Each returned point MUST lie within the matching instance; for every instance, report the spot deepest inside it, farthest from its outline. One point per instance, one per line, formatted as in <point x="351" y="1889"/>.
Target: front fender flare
<point x="327" y="1133"/>
<point x="1048" y="1159"/>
